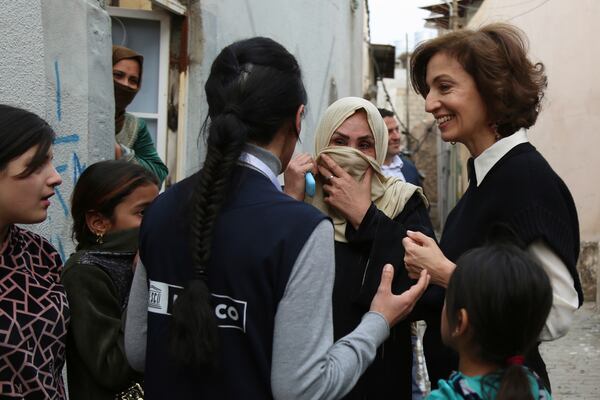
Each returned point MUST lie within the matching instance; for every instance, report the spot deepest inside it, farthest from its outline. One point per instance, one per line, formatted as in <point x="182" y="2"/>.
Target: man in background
<point x="396" y="164"/>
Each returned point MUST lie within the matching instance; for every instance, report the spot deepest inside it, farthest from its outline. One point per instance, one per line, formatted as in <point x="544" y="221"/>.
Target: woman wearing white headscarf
<point x="371" y="214"/>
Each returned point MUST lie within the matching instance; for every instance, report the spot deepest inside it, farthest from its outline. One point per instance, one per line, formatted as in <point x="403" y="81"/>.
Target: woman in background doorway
<point x="133" y="140"/>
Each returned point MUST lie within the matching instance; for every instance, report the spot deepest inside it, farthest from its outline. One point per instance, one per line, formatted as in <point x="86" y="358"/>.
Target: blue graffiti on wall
<point x="61" y="170"/>
<point x="58" y="94"/>
<point x="66" y="165"/>
<point x="58" y="244"/>
<point x="78" y="168"/>
<point x="66" y="139"/>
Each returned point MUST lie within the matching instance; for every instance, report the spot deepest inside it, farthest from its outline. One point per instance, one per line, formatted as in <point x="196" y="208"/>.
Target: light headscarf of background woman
<point x="389" y="194"/>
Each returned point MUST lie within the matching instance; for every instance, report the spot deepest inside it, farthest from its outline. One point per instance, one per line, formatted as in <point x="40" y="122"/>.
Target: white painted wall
<point x="563" y="35"/>
<point x="56" y="61"/>
<point x="325" y="36"/>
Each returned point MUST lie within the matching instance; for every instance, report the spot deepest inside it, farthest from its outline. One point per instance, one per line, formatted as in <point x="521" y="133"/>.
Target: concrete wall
<point x="56" y="62"/>
<point x="325" y="36"/>
<point x="562" y="35"/>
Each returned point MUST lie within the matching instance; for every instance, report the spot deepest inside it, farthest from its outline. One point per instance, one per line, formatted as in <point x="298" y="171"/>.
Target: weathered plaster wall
<point x="56" y="62"/>
<point x="325" y="36"/>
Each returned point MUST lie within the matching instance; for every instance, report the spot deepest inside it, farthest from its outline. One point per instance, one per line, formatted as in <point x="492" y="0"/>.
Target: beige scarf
<point x="389" y="194"/>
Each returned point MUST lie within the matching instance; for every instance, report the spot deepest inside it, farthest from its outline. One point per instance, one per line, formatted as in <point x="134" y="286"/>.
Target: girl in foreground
<point x="497" y="302"/>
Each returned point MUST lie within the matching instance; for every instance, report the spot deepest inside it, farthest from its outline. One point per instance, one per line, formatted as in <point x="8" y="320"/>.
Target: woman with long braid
<point x="239" y="274"/>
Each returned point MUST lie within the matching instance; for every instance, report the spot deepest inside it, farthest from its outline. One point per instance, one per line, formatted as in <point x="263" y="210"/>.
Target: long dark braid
<point x="254" y="88"/>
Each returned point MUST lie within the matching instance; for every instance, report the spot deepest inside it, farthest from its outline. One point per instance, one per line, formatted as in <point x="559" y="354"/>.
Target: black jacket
<point x="359" y="264"/>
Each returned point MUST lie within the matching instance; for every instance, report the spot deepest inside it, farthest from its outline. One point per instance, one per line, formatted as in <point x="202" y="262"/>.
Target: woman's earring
<point x="497" y="136"/>
<point x="100" y="238"/>
<point x="452" y="143"/>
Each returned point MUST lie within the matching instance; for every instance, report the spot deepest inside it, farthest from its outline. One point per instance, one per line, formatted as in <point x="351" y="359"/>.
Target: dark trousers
<point x="534" y="361"/>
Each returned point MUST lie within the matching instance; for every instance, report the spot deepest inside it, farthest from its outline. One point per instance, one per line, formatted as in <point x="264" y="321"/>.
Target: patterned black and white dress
<point x="34" y="316"/>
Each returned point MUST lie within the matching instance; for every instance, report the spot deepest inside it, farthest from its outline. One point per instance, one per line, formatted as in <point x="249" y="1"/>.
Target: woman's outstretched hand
<point x="351" y="198"/>
<point x="422" y="253"/>
<point x="395" y="308"/>
<point x="293" y="177"/>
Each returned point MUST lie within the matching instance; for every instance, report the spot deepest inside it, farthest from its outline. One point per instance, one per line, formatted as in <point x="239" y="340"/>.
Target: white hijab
<point x="389" y="194"/>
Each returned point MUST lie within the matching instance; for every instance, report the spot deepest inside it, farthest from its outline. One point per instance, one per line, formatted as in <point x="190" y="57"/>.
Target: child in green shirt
<point x="497" y="302"/>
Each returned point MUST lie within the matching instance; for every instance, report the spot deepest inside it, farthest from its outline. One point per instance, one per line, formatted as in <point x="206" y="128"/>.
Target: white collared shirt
<point x="394" y="168"/>
<point x="486" y="160"/>
<point x="565" y="299"/>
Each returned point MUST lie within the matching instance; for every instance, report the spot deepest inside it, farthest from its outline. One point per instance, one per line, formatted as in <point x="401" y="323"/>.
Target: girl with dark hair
<point x="33" y="306"/>
<point x="484" y="93"/>
<point x="497" y="303"/>
<point x="108" y="202"/>
<point x="240" y="275"/>
<point x="133" y="140"/>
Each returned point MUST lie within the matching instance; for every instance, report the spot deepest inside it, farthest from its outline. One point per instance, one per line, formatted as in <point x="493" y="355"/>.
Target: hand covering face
<point x="389" y="194"/>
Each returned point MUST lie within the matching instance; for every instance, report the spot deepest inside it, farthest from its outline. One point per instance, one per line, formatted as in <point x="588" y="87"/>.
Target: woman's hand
<point x="395" y="308"/>
<point x="351" y="198"/>
<point x="293" y="177"/>
<point x="422" y="253"/>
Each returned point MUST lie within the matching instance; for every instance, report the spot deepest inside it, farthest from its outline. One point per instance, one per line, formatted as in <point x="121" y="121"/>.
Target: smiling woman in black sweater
<point x="484" y="92"/>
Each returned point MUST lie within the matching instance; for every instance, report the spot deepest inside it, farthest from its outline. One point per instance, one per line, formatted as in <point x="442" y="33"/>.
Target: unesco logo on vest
<point x="229" y="312"/>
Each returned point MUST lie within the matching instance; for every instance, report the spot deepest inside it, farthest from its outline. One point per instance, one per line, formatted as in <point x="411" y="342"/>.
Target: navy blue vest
<point x="258" y="235"/>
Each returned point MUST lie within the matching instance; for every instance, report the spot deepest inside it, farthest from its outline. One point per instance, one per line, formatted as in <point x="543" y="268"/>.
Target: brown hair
<point x="495" y="55"/>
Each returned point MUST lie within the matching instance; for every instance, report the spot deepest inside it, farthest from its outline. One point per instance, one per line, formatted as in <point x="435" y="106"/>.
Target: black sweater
<point x="520" y="191"/>
<point x="523" y="192"/>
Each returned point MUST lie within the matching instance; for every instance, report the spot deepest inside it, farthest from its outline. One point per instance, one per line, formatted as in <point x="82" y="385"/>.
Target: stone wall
<point x="587" y="266"/>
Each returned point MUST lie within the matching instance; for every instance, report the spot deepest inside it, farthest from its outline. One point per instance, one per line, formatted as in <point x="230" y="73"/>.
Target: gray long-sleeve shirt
<point x="306" y="363"/>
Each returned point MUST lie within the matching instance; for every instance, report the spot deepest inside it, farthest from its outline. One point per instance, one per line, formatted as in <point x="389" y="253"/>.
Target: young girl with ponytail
<point x="497" y="302"/>
<point x="107" y="207"/>
<point x="239" y="274"/>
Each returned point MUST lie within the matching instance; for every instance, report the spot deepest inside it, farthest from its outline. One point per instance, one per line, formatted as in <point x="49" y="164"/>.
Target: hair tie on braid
<point x="200" y="273"/>
<point x="515" y="360"/>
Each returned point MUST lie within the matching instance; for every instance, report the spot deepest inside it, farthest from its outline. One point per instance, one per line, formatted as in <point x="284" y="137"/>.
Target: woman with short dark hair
<point x="34" y="313"/>
<point x="484" y="93"/>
